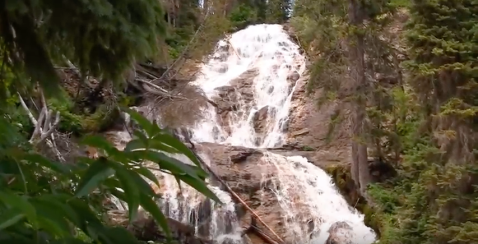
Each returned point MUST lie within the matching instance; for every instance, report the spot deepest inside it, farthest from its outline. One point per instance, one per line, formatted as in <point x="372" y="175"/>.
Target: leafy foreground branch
<point x="43" y="201"/>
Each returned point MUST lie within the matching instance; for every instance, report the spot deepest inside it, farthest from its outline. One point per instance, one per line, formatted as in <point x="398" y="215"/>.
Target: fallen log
<point x="262" y="235"/>
<point x="254" y="229"/>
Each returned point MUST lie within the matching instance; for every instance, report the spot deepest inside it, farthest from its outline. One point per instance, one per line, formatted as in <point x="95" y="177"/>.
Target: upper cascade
<point x="261" y="64"/>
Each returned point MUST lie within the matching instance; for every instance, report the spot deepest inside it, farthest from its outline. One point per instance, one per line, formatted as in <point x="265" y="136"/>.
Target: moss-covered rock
<point x="341" y="175"/>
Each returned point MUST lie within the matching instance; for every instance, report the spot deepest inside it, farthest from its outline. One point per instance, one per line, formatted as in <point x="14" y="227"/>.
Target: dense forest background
<point x="411" y="90"/>
<point x="406" y="71"/>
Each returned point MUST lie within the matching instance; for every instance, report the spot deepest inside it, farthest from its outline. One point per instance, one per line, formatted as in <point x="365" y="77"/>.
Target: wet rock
<point x="300" y="132"/>
<point x="340" y="233"/>
<point x="293" y="77"/>
<point x="310" y="125"/>
<point x="235" y="99"/>
<point x="204" y="218"/>
<point x="248" y="175"/>
<point x="227" y="98"/>
<point x="243" y="84"/>
<point x="242" y="155"/>
<point x="262" y="119"/>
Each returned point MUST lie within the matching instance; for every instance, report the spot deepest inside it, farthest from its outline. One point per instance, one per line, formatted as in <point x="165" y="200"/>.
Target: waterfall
<point x="310" y="202"/>
<point x="259" y="67"/>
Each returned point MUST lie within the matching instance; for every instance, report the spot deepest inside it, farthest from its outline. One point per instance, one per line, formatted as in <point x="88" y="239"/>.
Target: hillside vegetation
<point x="407" y="71"/>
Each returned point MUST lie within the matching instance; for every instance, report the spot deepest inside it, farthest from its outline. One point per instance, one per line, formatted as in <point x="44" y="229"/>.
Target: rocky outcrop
<point x="245" y="172"/>
<point x="320" y="134"/>
<point x="228" y="99"/>
<point x="239" y="89"/>
<point x="262" y="121"/>
<point x="293" y="77"/>
<point x="340" y="233"/>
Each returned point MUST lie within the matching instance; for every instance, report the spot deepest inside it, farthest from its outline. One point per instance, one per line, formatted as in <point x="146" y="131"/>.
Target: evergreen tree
<point x="442" y="206"/>
<point x="278" y="11"/>
<point x="101" y="38"/>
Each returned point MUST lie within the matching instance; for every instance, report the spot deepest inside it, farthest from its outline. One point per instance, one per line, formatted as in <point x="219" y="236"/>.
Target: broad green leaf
<point x="151" y="207"/>
<point x="20" y="203"/>
<point x="112" y="182"/>
<point x="130" y="188"/>
<point x="37" y="158"/>
<point x="141" y="183"/>
<point x="177" y="144"/>
<point x="10" y="217"/>
<point x="141" y="136"/>
<point x="59" y="202"/>
<point x="51" y="218"/>
<point x="17" y="238"/>
<point x="173" y="165"/>
<point x="117" y="235"/>
<point x="89" y="221"/>
<point x="99" y="142"/>
<point x="143" y="122"/>
<point x="120" y="195"/>
<point x="135" y="144"/>
<point x="200" y="186"/>
<point x="94" y="231"/>
<point x="96" y="173"/>
<point x="161" y="146"/>
<point x="148" y="174"/>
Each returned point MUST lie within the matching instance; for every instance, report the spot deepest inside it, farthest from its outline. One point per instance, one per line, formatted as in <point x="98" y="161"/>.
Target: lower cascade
<point x="251" y="77"/>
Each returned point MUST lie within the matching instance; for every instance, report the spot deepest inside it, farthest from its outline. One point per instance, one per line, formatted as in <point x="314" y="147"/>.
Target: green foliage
<point x="48" y="202"/>
<point x="69" y="122"/>
<point x="278" y="11"/>
<point x="242" y="16"/>
<point x="426" y="128"/>
<point x="101" y="38"/>
<point x="83" y="122"/>
<point x="436" y="184"/>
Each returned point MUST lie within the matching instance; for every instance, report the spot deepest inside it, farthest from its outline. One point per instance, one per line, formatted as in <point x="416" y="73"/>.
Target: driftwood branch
<point x="45" y="126"/>
<point x="148" y="85"/>
<point x="262" y="235"/>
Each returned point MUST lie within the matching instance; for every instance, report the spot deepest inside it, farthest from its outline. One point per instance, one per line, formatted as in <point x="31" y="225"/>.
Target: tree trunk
<point x="360" y="171"/>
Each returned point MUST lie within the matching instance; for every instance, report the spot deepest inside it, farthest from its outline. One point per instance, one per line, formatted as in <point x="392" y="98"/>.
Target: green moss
<point x="103" y="118"/>
<point x="78" y="120"/>
<point x="341" y="175"/>
<point x="342" y="178"/>
<point x="307" y="148"/>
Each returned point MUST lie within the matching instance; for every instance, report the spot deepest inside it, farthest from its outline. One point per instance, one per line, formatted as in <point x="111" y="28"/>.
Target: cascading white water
<point x="267" y="49"/>
<point x="217" y="222"/>
<point x="305" y="193"/>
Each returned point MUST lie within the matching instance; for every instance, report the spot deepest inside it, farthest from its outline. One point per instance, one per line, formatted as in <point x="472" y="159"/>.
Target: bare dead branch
<point x="183" y="53"/>
<point x="30" y="115"/>
<point x="158" y="90"/>
<point x="44" y="128"/>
